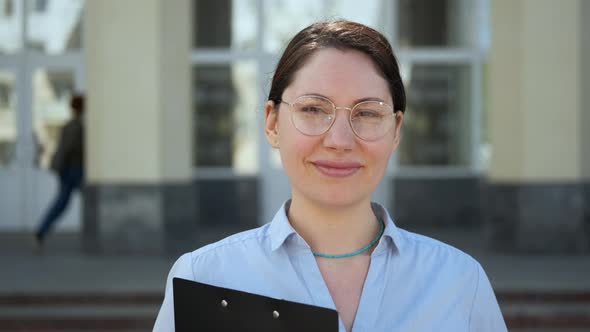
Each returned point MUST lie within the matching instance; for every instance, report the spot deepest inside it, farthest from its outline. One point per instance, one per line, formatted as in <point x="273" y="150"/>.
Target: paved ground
<point x="62" y="267"/>
<point x="534" y="291"/>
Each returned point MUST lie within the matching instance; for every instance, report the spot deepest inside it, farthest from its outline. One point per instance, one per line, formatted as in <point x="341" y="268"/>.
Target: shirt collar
<point x="280" y="229"/>
<point x="391" y="237"/>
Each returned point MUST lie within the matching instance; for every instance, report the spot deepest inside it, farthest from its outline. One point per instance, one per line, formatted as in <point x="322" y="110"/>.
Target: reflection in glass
<point x="373" y="13"/>
<point x="436" y="129"/>
<point x="224" y="24"/>
<point x="11" y="17"/>
<point x="51" y="109"/>
<point x="287" y="17"/>
<point x="437" y="23"/>
<point x="7" y="118"/>
<point x="54" y="26"/>
<point x="225" y="116"/>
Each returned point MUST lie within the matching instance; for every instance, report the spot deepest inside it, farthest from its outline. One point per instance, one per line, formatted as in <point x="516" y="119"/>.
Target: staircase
<point x="131" y="312"/>
<point x="546" y="311"/>
<point x="78" y="312"/>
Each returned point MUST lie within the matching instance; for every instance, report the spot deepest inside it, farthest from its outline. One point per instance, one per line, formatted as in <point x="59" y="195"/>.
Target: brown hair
<point x="342" y="35"/>
<point x="77" y="103"/>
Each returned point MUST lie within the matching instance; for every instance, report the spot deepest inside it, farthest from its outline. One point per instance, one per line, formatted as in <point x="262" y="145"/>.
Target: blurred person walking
<point x="68" y="165"/>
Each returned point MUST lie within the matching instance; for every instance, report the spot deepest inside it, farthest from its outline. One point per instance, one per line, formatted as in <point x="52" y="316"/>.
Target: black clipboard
<point x="202" y="307"/>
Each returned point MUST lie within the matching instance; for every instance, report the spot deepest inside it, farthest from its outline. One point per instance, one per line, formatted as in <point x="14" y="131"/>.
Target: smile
<point x="336" y="168"/>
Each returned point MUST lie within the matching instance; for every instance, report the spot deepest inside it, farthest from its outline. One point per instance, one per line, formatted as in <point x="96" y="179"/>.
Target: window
<point x="54" y="27"/>
<point x="40" y="6"/>
<point x="11" y="34"/>
<point x="225" y="116"/>
<point x="441" y="23"/>
<point x="7" y="8"/>
<point x="226" y="113"/>
<point x="442" y="47"/>
<point x="439" y="46"/>
<point x="225" y="24"/>
<point x="52" y="90"/>
<point x="437" y="127"/>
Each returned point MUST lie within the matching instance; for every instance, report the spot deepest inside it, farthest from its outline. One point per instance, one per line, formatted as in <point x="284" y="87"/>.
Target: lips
<point x="337" y="168"/>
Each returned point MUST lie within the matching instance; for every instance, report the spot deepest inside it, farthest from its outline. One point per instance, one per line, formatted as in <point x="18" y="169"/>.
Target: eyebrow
<point x="354" y="102"/>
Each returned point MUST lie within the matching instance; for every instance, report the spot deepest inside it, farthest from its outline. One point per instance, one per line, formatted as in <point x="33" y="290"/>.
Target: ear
<point x="399" y="118"/>
<point x="271" y="124"/>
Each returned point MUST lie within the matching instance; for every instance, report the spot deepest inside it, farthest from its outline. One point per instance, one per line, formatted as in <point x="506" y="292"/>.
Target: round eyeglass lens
<point x="371" y="120"/>
<point x="312" y="115"/>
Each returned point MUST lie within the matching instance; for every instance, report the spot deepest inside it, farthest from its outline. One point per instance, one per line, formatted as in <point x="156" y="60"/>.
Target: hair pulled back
<point x="341" y="35"/>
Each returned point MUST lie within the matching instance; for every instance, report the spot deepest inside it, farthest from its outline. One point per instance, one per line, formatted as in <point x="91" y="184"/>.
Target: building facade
<point x="175" y="146"/>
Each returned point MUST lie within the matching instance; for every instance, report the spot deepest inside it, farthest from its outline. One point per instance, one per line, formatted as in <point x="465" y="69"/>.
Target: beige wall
<point x="535" y="95"/>
<point x="138" y="86"/>
<point x="505" y="116"/>
<point x="176" y="129"/>
<point x="585" y="79"/>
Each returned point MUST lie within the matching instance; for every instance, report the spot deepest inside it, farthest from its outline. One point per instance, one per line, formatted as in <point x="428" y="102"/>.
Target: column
<point x="539" y="124"/>
<point x="139" y="196"/>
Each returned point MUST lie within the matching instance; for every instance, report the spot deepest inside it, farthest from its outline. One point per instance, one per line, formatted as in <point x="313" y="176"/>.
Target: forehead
<point x="341" y="75"/>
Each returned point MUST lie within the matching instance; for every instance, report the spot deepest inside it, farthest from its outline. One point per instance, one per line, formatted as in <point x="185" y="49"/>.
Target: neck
<point x="334" y="229"/>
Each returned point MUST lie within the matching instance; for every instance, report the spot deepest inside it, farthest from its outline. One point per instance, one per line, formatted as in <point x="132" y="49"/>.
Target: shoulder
<point x="457" y="274"/>
<point x="251" y="238"/>
<point x="232" y="249"/>
<point x="427" y="249"/>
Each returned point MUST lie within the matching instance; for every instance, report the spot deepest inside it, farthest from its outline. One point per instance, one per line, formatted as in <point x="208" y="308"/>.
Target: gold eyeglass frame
<point x="335" y="108"/>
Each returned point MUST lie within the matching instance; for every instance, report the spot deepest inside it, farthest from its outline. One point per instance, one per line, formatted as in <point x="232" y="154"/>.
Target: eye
<point x="367" y="114"/>
<point x="314" y="109"/>
<point x="311" y="109"/>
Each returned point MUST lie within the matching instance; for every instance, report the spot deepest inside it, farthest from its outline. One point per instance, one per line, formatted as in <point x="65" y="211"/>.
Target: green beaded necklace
<point x="354" y="253"/>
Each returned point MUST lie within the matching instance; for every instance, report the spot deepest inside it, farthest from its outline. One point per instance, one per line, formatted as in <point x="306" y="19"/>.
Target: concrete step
<point x="97" y="312"/>
<point x="136" y="311"/>
<point x="546" y="310"/>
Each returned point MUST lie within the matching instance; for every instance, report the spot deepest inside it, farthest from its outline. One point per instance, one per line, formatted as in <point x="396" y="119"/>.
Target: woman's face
<point x="336" y="168"/>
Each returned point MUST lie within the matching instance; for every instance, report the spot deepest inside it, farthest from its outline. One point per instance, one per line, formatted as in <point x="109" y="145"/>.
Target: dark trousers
<point x="69" y="180"/>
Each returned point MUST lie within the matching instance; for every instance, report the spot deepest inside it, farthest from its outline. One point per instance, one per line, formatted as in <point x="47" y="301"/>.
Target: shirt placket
<point x="315" y="284"/>
<point x="367" y="313"/>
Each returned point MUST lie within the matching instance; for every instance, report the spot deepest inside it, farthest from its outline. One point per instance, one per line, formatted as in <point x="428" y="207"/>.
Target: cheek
<point x="381" y="154"/>
<point x="294" y="144"/>
<point x="295" y="149"/>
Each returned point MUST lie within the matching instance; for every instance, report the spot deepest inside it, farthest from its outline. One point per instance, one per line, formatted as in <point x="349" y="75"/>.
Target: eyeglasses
<point x="315" y="115"/>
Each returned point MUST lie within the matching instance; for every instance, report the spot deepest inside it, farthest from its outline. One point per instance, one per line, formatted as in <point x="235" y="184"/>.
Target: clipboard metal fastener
<point x="199" y="306"/>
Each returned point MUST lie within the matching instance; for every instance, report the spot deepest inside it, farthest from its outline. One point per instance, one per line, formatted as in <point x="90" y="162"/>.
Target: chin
<point x="340" y="198"/>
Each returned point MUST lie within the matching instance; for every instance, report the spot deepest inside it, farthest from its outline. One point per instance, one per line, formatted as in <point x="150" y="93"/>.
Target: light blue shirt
<point x="414" y="283"/>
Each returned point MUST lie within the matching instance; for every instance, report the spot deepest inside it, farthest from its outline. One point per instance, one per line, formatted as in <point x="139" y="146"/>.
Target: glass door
<point x="34" y="105"/>
<point x="51" y="83"/>
<point x="40" y="67"/>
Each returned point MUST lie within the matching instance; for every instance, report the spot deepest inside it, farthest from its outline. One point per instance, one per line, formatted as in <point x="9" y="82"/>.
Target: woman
<point x="334" y="112"/>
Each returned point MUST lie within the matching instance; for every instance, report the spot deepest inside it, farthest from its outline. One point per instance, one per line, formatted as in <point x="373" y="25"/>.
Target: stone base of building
<point x="538" y="218"/>
<point x="439" y="203"/>
<point x="175" y="218"/>
<point x="139" y="219"/>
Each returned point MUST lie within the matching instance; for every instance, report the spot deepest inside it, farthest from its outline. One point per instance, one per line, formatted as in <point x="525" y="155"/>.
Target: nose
<point x="340" y="135"/>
